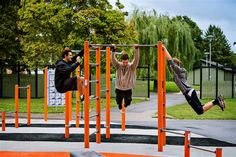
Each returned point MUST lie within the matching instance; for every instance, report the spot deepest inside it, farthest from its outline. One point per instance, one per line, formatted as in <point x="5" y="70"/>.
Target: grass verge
<point x="37" y="105"/>
<point x="184" y="111"/>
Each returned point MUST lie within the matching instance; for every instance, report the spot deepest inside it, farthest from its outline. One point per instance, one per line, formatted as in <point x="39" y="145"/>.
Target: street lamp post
<point x="207" y="69"/>
<point x="210" y="37"/>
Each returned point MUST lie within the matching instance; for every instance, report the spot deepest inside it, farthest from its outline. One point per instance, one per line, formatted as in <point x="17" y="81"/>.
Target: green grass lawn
<point x="37" y="105"/>
<point x="184" y="111"/>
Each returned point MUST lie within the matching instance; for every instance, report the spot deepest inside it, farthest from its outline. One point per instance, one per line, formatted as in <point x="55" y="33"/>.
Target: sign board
<point x="54" y="98"/>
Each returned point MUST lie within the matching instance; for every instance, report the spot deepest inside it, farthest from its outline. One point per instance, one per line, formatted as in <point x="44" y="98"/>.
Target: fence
<point x="36" y="80"/>
<point x="214" y="80"/>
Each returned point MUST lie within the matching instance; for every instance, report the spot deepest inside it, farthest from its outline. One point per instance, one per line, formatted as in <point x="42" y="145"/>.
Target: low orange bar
<point x="123" y="117"/>
<point x="16" y="106"/>
<point x="187" y="144"/>
<point x="3" y="121"/>
<point x="28" y="105"/>
<point x="31" y="154"/>
<point x="67" y="115"/>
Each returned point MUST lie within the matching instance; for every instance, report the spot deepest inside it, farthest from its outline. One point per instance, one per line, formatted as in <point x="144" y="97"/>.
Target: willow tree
<point x="175" y="34"/>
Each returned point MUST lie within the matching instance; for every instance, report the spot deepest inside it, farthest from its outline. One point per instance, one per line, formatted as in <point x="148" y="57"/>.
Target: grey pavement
<point x="140" y="114"/>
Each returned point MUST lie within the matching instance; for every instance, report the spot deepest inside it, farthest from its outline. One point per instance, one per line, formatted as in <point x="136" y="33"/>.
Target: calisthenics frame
<point x="161" y="102"/>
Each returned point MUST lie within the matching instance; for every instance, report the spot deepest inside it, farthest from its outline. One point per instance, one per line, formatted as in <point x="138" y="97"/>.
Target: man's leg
<point x="80" y="87"/>
<point x="119" y="98"/>
<point x="128" y="97"/>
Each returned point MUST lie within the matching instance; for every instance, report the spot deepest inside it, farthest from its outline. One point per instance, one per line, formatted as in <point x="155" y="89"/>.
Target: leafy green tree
<point x="196" y="34"/>
<point x="220" y="48"/>
<point x="9" y="44"/>
<point x="176" y="34"/>
<point x="51" y="26"/>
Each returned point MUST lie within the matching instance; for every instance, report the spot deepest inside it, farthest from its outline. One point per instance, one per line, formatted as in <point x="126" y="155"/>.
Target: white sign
<point x="54" y="98"/>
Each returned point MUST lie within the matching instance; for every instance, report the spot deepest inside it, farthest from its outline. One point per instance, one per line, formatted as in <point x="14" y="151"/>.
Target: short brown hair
<point x="66" y="52"/>
<point x="124" y="56"/>
<point x="177" y="61"/>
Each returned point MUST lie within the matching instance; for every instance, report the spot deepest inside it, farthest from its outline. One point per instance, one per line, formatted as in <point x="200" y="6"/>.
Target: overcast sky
<point x="221" y="13"/>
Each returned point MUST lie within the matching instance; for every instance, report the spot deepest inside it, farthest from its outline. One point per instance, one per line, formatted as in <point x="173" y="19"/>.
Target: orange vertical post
<point x="164" y="96"/>
<point x="28" y="105"/>
<point x="3" y="121"/>
<point x="218" y="152"/>
<point x="98" y="95"/>
<point x="187" y="144"/>
<point x="77" y="97"/>
<point x="108" y="62"/>
<point x="67" y="131"/>
<point x="160" y="95"/>
<point x="123" y="116"/>
<point x="45" y="94"/>
<point x="70" y="104"/>
<point x="16" y="106"/>
<point x="86" y="94"/>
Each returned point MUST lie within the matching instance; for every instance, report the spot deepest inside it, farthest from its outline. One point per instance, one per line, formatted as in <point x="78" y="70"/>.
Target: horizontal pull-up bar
<point x="206" y="150"/>
<point x="173" y="132"/>
<point x="123" y="45"/>
<point x="23" y="87"/>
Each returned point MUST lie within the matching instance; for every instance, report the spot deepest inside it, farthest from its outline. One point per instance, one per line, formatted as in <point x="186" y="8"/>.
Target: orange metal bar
<point x="16" y="106"/>
<point x="45" y="94"/>
<point x="187" y="144"/>
<point x="108" y="62"/>
<point x="160" y="96"/>
<point x="98" y="94"/>
<point x="86" y="94"/>
<point x="123" y="116"/>
<point x="28" y="105"/>
<point x="218" y="152"/>
<point x="3" y="121"/>
<point x="164" y="96"/>
<point x="67" y="134"/>
<point x="77" y="95"/>
<point x="70" y="104"/>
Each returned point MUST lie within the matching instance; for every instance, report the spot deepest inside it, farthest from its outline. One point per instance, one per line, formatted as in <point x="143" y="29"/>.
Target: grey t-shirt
<point x="180" y="77"/>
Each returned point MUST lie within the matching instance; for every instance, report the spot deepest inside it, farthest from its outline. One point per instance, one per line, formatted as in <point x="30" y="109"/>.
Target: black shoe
<point x="126" y="105"/>
<point x="120" y="107"/>
<point x="81" y="98"/>
<point x="221" y="103"/>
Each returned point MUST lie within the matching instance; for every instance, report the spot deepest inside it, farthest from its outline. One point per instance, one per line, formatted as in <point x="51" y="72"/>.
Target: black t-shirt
<point x="64" y="69"/>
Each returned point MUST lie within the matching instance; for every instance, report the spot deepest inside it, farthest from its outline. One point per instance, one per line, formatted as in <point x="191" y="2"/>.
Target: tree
<point x="220" y="48"/>
<point x="196" y="34"/>
<point x="9" y="44"/>
<point x="51" y="26"/>
<point x="176" y="35"/>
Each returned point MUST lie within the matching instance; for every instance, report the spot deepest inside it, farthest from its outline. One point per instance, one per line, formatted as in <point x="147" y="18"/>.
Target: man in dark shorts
<point x="125" y="76"/>
<point x="64" y="67"/>
<point x="189" y="93"/>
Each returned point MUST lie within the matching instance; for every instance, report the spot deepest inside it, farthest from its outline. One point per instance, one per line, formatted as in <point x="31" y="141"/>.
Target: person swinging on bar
<point x="64" y="67"/>
<point x="189" y="93"/>
<point x="125" y="76"/>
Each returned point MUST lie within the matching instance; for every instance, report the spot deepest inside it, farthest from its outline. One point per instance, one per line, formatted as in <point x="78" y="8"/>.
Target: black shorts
<point x="69" y="84"/>
<point x="194" y="102"/>
<point x="123" y="94"/>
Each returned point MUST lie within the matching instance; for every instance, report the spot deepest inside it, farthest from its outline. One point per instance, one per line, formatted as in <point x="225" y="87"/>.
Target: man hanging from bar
<point x="189" y="93"/>
<point x="64" y="67"/>
<point x="125" y="76"/>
